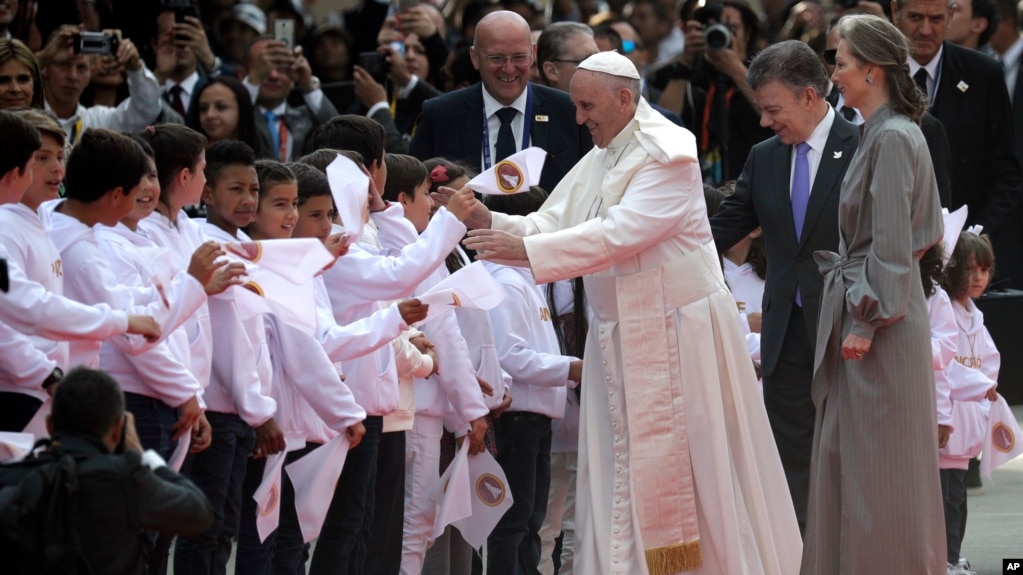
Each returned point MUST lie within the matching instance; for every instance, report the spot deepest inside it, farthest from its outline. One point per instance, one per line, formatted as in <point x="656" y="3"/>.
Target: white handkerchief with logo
<point x="471" y="286"/>
<point x="512" y="175"/>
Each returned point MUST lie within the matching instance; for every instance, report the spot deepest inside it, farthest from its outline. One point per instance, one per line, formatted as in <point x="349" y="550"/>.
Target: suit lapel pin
<point x="540" y="118"/>
<point x="838" y="155"/>
<point x="963" y="86"/>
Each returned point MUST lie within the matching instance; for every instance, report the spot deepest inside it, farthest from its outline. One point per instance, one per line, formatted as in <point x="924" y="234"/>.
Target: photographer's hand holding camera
<point x="708" y="87"/>
<point x="191" y="35"/>
<point x="69" y="58"/>
<point x="271" y="71"/>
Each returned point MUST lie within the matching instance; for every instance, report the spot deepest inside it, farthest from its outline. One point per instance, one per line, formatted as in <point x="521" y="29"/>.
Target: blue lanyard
<point x="526" y="123"/>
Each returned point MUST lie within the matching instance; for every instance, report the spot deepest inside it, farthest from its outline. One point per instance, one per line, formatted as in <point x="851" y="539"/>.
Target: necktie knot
<point x="506" y="115"/>
<point x="270" y="117"/>
<point x="176" y="101"/>
<point x="802" y="149"/>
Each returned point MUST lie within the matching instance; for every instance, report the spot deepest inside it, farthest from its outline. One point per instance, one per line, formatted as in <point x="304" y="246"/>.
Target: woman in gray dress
<point x="875" y="501"/>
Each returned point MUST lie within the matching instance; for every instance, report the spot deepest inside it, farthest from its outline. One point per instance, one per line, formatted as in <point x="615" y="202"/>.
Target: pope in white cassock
<point x="678" y="470"/>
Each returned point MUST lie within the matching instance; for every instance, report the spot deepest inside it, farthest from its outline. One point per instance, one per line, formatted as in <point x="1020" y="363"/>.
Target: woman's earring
<point x="870" y="80"/>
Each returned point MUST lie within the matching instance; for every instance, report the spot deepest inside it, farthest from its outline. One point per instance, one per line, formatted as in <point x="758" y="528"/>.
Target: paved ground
<point x="995" y="522"/>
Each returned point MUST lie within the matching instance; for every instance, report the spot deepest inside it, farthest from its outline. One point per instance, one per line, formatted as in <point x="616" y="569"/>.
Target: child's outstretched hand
<point x="226" y="276"/>
<point x="412" y="311"/>
<point x="992" y="394"/>
<point x="462" y="203"/>
<point x="204" y="261"/>
<point x="336" y="244"/>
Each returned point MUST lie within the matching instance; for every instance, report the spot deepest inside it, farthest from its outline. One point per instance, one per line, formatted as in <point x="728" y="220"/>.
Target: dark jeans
<point x="953" y="493"/>
<point x="153" y="422"/>
<point x="219" y="472"/>
<point x="344" y="539"/>
<point x="524" y="453"/>
<point x="383" y="556"/>
<point x="16" y="410"/>
<point x="282" y="553"/>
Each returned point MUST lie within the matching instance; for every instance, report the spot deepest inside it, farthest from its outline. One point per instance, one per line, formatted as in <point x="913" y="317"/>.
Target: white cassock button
<point x="612" y="408"/>
<point x="618" y="469"/>
<point x="616" y="532"/>
<point x="616" y="546"/>
<point x="618" y="485"/>
<point x="617" y="501"/>
<point x="605" y="362"/>
<point x="602" y="346"/>
<point x="617" y="515"/>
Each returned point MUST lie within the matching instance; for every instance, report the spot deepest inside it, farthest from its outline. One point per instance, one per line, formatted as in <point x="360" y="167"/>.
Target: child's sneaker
<point x="961" y="568"/>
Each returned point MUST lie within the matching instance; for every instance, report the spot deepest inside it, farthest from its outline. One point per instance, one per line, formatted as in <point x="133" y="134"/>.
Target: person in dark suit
<point x="934" y="131"/>
<point x="1007" y="43"/>
<point x="458" y="124"/>
<point x="270" y="72"/>
<point x="790" y="84"/>
<point x="968" y="95"/>
<point x="183" y="60"/>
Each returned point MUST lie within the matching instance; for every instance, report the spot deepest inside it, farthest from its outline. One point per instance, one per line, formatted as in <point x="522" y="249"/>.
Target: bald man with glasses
<point x="503" y="113"/>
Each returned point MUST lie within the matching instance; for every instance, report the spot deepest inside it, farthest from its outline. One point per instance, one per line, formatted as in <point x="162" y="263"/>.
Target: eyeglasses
<point x="630" y="46"/>
<point x="501" y="59"/>
<point x="829" y="57"/>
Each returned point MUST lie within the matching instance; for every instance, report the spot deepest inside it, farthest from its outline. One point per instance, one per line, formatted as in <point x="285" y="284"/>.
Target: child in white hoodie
<point x="973" y="377"/>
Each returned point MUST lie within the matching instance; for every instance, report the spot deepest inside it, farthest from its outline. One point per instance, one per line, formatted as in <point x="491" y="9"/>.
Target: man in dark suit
<point x="1007" y="42"/>
<point x="183" y="60"/>
<point x="466" y="125"/>
<point x="270" y="71"/>
<point x="968" y="94"/>
<point x="790" y="84"/>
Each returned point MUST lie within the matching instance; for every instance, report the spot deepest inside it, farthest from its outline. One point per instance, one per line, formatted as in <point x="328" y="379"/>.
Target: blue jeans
<point x="524" y="453"/>
<point x="341" y="547"/>
<point x="282" y="553"/>
<point x="219" y="472"/>
<point x="953" y="493"/>
<point x="153" y="422"/>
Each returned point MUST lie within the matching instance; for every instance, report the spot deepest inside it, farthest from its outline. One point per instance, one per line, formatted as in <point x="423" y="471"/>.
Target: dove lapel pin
<point x="838" y="155"/>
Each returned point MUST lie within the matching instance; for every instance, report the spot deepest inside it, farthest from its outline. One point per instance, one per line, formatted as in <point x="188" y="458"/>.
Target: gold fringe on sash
<point x="674" y="558"/>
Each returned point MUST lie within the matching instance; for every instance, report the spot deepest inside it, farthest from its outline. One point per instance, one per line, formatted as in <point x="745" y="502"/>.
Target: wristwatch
<point x="55" y="376"/>
<point x="314" y="84"/>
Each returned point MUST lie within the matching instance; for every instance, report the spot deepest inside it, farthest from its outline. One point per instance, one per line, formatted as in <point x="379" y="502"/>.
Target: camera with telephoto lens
<point x="98" y="43"/>
<point x="717" y="37"/>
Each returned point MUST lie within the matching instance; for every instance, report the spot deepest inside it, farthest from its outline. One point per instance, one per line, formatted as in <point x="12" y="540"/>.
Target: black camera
<point x="717" y="35"/>
<point x="96" y="43"/>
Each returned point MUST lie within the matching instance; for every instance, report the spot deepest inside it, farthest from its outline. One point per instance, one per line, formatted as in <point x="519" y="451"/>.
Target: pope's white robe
<point x="625" y="217"/>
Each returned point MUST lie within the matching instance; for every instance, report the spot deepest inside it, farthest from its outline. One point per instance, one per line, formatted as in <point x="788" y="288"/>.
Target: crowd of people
<point x="724" y="295"/>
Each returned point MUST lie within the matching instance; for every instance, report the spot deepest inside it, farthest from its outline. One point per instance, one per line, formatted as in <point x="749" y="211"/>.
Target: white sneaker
<point x="951" y="570"/>
<point x="962" y="568"/>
